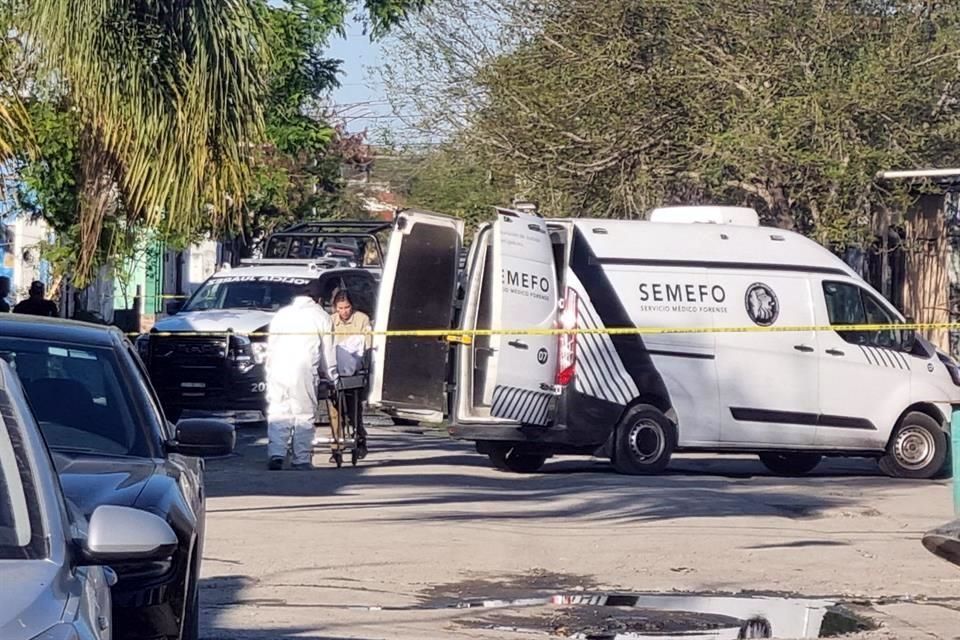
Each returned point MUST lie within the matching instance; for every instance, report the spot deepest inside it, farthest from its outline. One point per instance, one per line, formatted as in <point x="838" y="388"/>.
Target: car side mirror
<point x="174" y="307"/>
<point x="944" y="542"/>
<point x="203" y="437"/>
<point x="123" y="534"/>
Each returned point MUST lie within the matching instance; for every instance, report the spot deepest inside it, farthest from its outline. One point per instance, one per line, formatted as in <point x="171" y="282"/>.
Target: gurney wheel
<point x="338" y="458"/>
<point x="354" y="457"/>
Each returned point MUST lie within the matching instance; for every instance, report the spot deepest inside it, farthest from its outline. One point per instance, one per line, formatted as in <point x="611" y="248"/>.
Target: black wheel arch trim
<point x="928" y="409"/>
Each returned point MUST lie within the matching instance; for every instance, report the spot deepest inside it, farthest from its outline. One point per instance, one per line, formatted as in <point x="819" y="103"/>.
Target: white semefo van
<point x="791" y="397"/>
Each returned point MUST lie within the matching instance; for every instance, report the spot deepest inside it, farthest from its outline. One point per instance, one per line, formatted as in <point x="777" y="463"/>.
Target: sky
<point x="361" y="99"/>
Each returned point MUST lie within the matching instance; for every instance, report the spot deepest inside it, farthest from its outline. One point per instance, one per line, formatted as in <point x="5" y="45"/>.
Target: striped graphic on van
<point x="881" y="357"/>
<point x="600" y="372"/>
<point x="522" y="405"/>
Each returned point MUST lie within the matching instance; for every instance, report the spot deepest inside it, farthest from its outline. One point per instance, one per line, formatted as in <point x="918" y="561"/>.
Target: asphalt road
<point x="382" y="550"/>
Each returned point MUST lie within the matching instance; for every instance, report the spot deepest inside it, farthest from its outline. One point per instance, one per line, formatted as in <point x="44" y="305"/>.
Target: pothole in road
<point x="631" y="616"/>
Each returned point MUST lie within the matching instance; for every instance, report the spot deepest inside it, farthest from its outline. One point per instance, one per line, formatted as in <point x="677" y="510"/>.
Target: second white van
<point x="791" y="397"/>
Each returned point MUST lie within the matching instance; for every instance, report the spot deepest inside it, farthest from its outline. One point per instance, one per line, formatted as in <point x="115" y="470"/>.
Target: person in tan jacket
<point x="352" y="337"/>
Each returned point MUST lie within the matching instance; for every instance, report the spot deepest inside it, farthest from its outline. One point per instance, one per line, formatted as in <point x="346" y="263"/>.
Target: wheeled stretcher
<point x="349" y="435"/>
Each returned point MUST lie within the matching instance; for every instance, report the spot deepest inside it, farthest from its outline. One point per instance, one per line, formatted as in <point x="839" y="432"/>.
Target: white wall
<point x="199" y="262"/>
<point x="98" y="297"/>
<point x="28" y="234"/>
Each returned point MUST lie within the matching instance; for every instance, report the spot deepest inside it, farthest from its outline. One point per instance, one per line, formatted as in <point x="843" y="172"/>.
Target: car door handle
<point x="803" y="347"/>
<point x="517" y="344"/>
<point x="835" y="352"/>
<point x="489" y="350"/>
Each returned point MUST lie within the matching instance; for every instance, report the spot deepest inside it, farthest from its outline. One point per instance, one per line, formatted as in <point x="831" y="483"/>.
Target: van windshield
<point x="268" y="293"/>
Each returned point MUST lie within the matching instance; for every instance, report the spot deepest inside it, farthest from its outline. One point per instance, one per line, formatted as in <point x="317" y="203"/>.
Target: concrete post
<point x="138" y="310"/>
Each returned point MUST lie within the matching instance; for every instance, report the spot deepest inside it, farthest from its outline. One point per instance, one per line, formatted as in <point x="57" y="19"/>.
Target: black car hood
<point x="92" y="480"/>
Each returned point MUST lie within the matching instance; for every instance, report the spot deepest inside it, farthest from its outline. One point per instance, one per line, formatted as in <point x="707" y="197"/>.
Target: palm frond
<point x="171" y="90"/>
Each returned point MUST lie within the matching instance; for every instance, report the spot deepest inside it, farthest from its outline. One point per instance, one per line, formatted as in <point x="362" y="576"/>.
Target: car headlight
<point x="62" y="631"/>
<point x="259" y="352"/>
<point x="240" y="349"/>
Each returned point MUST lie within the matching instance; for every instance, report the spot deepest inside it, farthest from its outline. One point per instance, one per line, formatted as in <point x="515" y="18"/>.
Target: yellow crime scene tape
<point x="466" y="335"/>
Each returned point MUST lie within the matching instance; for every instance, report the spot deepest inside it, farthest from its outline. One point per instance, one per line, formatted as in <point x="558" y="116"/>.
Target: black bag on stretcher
<point x="347" y="395"/>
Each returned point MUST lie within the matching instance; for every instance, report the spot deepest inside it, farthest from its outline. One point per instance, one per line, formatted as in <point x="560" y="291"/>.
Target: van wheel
<point x="645" y="440"/>
<point x="917" y="448"/>
<point x="509" y="459"/>
<point x="790" y="464"/>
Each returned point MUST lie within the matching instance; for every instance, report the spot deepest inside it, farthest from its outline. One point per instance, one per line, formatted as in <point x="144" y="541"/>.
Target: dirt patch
<point x="531" y="584"/>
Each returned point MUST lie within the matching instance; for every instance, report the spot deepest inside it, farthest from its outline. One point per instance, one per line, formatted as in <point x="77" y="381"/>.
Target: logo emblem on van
<point x="762" y="304"/>
<point x="542" y="356"/>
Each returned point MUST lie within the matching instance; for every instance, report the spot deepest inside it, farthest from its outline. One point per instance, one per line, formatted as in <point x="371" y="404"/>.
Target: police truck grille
<point x="190" y="364"/>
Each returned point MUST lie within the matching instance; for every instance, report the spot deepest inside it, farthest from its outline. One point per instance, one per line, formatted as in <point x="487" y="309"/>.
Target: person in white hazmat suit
<point x="300" y="352"/>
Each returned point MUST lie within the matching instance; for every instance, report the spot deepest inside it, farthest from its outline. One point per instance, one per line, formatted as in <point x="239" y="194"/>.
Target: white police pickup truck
<point x="207" y="357"/>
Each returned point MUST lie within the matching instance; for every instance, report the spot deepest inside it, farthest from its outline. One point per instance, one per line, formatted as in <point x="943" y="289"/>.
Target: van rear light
<point x="567" y="342"/>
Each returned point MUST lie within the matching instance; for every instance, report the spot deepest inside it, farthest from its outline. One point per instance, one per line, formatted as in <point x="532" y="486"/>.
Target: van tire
<point x="644" y="441"/>
<point x="917" y="448"/>
<point x="509" y="459"/>
<point x="790" y="464"/>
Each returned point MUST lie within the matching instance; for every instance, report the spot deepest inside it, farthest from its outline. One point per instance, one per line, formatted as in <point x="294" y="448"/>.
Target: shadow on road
<point x="218" y="595"/>
<point x="428" y="477"/>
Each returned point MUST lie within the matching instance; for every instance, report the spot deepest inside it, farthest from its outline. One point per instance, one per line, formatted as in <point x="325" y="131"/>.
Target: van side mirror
<point x="908" y="337"/>
<point x="174" y="307"/>
<point x="908" y="340"/>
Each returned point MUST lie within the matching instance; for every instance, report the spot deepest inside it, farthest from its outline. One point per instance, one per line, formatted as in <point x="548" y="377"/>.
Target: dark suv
<point x="112" y="446"/>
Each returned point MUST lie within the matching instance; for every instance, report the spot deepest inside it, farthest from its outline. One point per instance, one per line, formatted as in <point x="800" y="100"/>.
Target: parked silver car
<point x="54" y="563"/>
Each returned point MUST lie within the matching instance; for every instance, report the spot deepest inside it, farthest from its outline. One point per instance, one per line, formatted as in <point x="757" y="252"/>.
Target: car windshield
<point x="78" y="396"/>
<point x="17" y="523"/>
<point x="246" y="292"/>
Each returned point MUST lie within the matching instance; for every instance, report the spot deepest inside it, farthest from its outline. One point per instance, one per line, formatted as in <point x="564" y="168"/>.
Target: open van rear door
<point x="523" y="366"/>
<point x="417" y="291"/>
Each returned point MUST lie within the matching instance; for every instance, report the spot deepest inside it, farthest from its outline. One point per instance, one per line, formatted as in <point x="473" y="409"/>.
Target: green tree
<point x="448" y="180"/>
<point x="612" y="108"/>
<point x="168" y="105"/>
<point x="298" y="169"/>
<point x="166" y="98"/>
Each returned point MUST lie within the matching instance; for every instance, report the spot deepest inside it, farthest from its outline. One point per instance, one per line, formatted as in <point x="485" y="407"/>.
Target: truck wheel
<point x="645" y="440"/>
<point x="509" y="459"/>
<point x="790" y="464"/>
<point x="917" y="448"/>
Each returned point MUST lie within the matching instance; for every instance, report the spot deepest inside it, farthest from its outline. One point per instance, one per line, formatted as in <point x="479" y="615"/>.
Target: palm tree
<point x="168" y="94"/>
